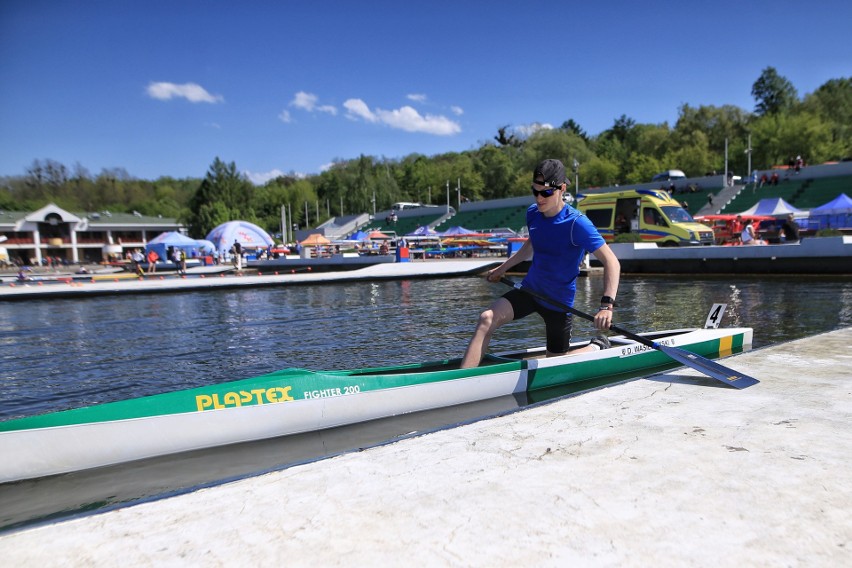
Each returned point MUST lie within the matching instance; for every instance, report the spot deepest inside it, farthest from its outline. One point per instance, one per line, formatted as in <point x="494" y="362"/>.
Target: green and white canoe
<point x="294" y="400"/>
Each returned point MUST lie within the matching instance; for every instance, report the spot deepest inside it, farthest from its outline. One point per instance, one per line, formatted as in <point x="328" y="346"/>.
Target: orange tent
<point x="378" y="235"/>
<point x="314" y="240"/>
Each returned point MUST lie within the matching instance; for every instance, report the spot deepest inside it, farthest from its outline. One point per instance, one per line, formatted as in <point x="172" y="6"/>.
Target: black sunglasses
<point x="551" y="185"/>
<point x="543" y="192"/>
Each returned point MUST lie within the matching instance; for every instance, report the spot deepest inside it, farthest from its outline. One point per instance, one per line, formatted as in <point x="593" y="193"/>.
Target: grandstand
<point x="408" y="224"/>
<point x="694" y="201"/>
<point x="819" y="191"/>
<point x="813" y="186"/>
<point x="802" y="193"/>
<point x="481" y="220"/>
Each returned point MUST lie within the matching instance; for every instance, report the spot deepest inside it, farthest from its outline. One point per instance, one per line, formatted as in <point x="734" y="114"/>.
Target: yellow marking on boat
<point x="118" y="276"/>
<point x="234" y="399"/>
<point x="726" y="345"/>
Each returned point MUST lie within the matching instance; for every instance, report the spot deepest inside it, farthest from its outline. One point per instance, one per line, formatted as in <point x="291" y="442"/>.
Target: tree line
<point x="817" y="126"/>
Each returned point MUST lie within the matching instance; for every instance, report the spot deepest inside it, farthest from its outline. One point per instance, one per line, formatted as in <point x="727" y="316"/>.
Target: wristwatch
<point x="607" y="300"/>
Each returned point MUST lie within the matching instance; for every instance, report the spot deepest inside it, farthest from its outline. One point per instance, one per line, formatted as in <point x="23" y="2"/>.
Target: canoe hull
<point x="294" y="401"/>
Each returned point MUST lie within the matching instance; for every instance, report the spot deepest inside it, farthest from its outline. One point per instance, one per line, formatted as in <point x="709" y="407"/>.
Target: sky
<point x="162" y="88"/>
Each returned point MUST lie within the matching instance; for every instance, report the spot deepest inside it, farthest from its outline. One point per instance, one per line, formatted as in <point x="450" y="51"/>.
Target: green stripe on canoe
<point x="281" y="386"/>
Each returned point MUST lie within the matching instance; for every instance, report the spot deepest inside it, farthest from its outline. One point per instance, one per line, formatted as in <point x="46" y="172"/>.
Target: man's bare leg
<point x="498" y="314"/>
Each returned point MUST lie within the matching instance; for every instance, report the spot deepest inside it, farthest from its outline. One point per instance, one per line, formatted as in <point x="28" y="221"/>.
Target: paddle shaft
<point x="576" y="312"/>
<point x="710" y="368"/>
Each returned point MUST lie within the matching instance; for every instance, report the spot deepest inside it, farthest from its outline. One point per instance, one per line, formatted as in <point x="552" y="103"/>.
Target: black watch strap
<point x="607" y="300"/>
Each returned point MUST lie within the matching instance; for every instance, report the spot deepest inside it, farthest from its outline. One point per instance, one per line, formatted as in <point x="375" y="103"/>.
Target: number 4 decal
<point x="714" y="318"/>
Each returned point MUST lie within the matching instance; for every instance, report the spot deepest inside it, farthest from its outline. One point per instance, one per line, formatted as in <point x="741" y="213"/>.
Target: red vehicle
<point x="727" y="228"/>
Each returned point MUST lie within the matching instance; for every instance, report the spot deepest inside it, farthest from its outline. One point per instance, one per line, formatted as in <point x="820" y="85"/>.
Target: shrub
<point x="628" y="238"/>
<point x="828" y="233"/>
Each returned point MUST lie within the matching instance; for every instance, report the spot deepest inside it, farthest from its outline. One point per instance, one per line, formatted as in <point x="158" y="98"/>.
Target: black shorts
<point x="557" y="324"/>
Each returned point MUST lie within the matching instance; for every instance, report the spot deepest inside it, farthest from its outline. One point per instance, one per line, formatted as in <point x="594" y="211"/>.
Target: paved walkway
<point x="672" y="470"/>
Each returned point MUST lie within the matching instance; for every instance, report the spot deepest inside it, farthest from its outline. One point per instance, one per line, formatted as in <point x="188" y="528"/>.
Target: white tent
<point x="771" y="206"/>
<point x="249" y="235"/>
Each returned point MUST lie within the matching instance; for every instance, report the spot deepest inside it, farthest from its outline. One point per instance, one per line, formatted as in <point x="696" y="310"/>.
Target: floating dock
<point x="669" y="470"/>
<point x="81" y="288"/>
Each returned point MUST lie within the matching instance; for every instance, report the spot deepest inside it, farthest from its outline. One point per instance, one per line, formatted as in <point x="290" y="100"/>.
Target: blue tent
<point x="249" y="235"/>
<point x="836" y="214"/>
<point x="452" y="231"/>
<point x="359" y="236"/>
<point x="172" y="239"/>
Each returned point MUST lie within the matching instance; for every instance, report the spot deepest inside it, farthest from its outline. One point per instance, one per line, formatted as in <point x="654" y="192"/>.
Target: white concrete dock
<point x="671" y="470"/>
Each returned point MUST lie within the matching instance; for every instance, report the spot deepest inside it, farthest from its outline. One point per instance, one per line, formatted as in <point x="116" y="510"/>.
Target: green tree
<point x="571" y="126"/>
<point x="773" y="93"/>
<point x="641" y="168"/>
<point x="694" y="158"/>
<point x="496" y="170"/>
<point x="598" y="172"/>
<point x="777" y="138"/>
<point x="224" y="195"/>
<point x="832" y="103"/>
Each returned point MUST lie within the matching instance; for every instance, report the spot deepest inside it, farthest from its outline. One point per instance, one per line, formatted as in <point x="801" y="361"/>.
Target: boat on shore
<point x="823" y="255"/>
<point x="294" y="401"/>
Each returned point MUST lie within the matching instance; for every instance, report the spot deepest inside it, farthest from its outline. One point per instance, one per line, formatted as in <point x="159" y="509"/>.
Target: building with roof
<point x="51" y="232"/>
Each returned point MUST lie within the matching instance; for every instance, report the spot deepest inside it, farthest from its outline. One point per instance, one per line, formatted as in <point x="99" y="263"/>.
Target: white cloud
<point x="457" y="110"/>
<point x="189" y="91"/>
<point x="260" y="178"/>
<point x="404" y="118"/>
<point x="416" y="97"/>
<point x="308" y="102"/>
<point x="530" y="129"/>
<point x="359" y="109"/>
<point x="285" y="116"/>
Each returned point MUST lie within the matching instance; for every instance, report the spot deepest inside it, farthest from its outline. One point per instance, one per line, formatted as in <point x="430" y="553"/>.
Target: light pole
<point x="458" y="192"/>
<point x="576" y="177"/>
<point x="748" y="151"/>
<point x="284" y="223"/>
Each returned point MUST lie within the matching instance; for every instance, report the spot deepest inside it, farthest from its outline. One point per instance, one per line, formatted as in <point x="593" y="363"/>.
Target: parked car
<point x="669" y="175"/>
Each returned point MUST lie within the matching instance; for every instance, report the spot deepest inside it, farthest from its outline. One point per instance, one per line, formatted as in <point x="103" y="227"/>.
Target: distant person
<point x="137" y="258"/>
<point x="774" y="179"/>
<point x="237" y="252"/>
<point x="622" y="225"/>
<point x="790" y="229"/>
<point x="153" y="257"/>
<point x="747" y="236"/>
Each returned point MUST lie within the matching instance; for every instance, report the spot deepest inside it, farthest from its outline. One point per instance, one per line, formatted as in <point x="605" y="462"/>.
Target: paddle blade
<point x="708" y="367"/>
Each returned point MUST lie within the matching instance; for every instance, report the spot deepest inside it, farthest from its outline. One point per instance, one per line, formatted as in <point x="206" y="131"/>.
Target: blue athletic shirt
<point x="559" y="244"/>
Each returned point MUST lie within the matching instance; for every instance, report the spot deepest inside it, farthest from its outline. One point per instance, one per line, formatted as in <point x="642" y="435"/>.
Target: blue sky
<point x="164" y="87"/>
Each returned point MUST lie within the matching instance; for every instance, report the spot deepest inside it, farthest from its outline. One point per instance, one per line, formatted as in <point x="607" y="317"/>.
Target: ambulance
<point x="652" y="214"/>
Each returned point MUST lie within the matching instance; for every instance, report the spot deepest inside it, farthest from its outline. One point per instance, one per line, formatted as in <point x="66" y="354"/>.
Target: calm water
<point x="57" y="354"/>
<point x="61" y="354"/>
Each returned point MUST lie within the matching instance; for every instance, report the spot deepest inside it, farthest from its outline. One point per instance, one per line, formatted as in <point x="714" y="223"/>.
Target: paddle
<point x="710" y="368"/>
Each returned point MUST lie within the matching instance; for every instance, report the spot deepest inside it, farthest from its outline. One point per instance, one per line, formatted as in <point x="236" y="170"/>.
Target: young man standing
<point x="559" y="235"/>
